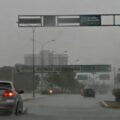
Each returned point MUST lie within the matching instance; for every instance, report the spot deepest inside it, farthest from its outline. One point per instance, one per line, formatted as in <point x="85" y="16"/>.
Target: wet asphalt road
<point x="66" y="107"/>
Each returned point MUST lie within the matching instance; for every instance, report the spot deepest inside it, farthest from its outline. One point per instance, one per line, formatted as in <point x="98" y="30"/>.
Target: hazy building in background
<point x="48" y="57"/>
<point x="60" y="59"/>
<point x="28" y="59"/>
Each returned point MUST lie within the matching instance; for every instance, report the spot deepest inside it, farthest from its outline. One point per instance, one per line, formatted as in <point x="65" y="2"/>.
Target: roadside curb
<point x="104" y="104"/>
<point x="110" y="104"/>
<point x="28" y="98"/>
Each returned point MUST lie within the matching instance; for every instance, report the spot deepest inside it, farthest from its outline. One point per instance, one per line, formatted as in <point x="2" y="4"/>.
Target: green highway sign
<point x="82" y="77"/>
<point x="73" y="20"/>
<point x="95" y="68"/>
<point x="90" y="20"/>
<point x="57" y="68"/>
<point x="104" y="77"/>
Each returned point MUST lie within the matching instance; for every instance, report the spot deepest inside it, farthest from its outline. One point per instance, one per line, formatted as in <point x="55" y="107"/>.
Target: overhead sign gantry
<point x="68" y="20"/>
<point x="65" y="21"/>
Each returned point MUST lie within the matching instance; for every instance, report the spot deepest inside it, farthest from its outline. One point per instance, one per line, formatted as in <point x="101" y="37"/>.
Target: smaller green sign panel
<point x="90" y="20"/>
<point x="82" y="77"/>
<point x="104" y="77"/>
<point x="95" y="68"/>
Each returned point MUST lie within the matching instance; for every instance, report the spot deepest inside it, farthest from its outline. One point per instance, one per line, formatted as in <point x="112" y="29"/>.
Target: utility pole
<point x="42" y="65"/>
<point x="33" y="32"/>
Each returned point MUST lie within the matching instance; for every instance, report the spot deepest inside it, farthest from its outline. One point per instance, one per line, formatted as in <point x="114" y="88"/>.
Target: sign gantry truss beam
<point x="68" y="20"/>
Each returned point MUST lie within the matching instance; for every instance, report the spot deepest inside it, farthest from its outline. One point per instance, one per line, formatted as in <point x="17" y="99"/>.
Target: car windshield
<point x="64" y="56"/>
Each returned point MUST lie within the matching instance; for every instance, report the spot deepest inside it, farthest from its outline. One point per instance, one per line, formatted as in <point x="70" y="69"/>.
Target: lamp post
<point x="30" y="21"/>
<point x="42" y="50"/>
<point x="42" y="62"/>
<point x="33" y="32"/>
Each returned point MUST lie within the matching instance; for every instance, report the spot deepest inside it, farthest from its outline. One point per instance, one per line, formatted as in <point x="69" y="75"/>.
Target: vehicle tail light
<point x="8" y="93"/>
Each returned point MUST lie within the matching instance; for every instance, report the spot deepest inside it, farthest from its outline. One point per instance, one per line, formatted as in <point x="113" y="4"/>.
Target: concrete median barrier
<point x="29" y="96"/>
<point x="111" y="104"/>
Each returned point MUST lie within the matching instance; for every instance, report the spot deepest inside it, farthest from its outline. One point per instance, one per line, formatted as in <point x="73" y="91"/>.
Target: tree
<point x="25" y="81"/>
<point x="64" y="79"/>
<point x="21" y="80"/>
<point x="6" y="73"/>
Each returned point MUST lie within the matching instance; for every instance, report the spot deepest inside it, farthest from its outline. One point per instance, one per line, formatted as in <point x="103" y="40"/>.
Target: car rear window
<point x="5" y="85"/>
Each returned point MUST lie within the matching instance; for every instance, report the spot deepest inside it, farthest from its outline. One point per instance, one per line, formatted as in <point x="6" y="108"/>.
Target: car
<point x="10" y="98"/>
<point x="89" y="92"/>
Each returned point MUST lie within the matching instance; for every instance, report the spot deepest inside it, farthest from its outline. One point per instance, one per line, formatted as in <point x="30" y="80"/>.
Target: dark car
<point x="89" y="92"/>
<point x="10" y="99"/>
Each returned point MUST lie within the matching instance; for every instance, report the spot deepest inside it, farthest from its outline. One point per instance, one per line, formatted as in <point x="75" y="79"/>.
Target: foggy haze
<point x="91" y="45"/>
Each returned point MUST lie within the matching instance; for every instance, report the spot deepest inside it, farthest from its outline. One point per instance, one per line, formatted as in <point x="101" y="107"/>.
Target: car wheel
<point x="19" y="108"/>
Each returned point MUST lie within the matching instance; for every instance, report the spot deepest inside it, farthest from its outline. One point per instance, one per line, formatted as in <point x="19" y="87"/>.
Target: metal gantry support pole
<point x="42" y="64"/>
<point x="33" y="32"/>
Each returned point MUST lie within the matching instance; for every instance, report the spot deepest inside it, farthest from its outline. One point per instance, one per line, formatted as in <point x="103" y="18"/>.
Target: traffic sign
<point x="90" y="20"/>
<point x="95" y="68"/>
<point x="67" y="20"/>
<point x="29" y="21"/>
<point x="82" y="77"/>
<point x="58" y="68"/>
<point x="104" y="77"/>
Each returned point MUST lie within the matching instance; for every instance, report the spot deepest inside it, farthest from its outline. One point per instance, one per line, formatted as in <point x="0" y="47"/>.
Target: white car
<point x="10" y="99"/>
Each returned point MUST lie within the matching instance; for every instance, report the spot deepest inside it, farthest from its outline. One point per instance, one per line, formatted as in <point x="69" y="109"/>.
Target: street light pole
<point x="42" y="62"/>
<point x="42" y="65"/>
<point x="30" y="21"/>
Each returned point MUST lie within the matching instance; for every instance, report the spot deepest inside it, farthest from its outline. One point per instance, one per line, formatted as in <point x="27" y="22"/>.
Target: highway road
<point x="66" y="107"/>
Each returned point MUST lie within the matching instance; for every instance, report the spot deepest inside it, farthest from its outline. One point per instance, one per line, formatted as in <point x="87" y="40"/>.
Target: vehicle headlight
<point x="50" y="91"/>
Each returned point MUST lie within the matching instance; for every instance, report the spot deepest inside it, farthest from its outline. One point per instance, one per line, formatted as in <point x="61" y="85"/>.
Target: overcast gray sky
<point x="91" y="45"/>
